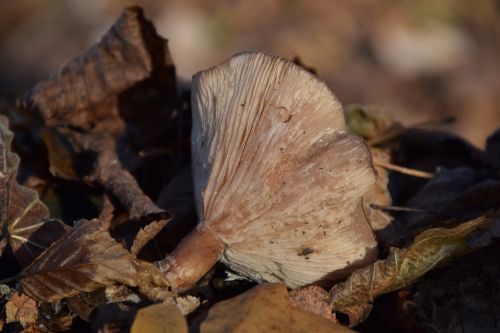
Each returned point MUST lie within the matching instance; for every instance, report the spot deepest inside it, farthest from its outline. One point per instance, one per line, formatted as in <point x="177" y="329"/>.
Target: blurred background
<point x="419" y="60"/>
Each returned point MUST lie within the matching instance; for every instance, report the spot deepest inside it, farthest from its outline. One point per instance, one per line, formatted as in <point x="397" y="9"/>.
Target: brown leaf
<point x="146" y="234"/>
<point x="21" y="308"/>
<point x="463" y="297"/>
<point x="187" y="304"/>
<point x="159" y="318"/>
<point x="86" y="106"/>
<point x="24" y="218"/>
<point x="427" y="150"/>
<point x="85" y="259"/>
<point x="314" y="299"/>
<point x="264" y="308"/>
<point x="381" y="222"/>
<point x="403" y="267"/>
<point x="84" y="92"/>
<point x="372" y="123"/>
<point x="113" y="317"/>
<point x="456" y="195"/>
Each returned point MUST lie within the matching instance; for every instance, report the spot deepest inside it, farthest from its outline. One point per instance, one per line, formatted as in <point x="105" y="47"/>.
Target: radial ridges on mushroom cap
<point x="275" y="171"/>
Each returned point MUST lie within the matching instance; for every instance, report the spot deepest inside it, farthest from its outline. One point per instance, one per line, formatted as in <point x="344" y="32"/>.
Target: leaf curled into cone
<point x="24" y="219"/>
<point x="85" y="259"/>
<point x="83" y="105"/>
<point x="403" y="267"/>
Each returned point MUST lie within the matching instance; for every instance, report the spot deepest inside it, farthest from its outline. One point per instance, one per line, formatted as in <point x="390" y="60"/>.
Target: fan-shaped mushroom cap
<point x="277" y="179"/>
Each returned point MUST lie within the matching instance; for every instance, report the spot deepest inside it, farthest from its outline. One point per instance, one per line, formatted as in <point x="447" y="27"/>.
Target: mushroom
<point x="278" y="181"/>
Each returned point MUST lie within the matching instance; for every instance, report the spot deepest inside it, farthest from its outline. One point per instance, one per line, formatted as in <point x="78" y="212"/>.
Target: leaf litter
<point x="113" y="120"/>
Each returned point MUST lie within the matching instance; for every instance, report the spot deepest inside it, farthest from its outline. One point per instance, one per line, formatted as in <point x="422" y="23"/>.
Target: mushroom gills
<point x="275" y="173"/>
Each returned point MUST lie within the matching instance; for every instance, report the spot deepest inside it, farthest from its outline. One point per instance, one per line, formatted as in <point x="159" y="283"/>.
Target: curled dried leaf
<point x="403" y="267"/>
<point x="314" y="299"/>
<point x="372" y="123"/>
<point x="85" y="259"/>
<point x="146" y="234"/>
<point x="85" y="109"/>
<point x="84" y="92"/>
<point x="24" y="219"/>
<point x="21" y="308"/>
<point x="187" y="304"/>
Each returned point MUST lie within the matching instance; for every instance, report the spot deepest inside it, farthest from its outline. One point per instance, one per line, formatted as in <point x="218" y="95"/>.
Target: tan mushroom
<point x="278" y="181"/>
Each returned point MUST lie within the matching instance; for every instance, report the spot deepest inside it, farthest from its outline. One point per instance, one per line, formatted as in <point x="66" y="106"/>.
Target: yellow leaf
<point x="265" y="308"/>
<point x="403" y="266"/>
<point x="159" y="318"/>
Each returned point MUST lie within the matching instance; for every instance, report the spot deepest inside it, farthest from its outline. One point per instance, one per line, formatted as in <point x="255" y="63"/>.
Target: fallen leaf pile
<point x="115" y="123"/>
<point x="25" y="222"/>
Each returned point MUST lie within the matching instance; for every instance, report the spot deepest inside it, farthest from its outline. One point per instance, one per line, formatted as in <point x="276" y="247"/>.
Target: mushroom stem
<point x="193" y="257"/>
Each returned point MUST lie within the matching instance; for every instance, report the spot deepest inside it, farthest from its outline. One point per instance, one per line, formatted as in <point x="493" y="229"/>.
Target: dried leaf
<point x="21" y="308"/>
<point x="463" y="297"/>
<point x="403" y="266"/>
<point x="381" y="222"/>
<point x="85" y="259"/>
<point x="84" y="92"/>
<point x="455" y="194"/>
<point x="82" y="305"/>
<point x="121" y="293"/>
<point x="187" y="304"/>
<point x="55" y="317"/>
<point x="159" y="318"/>
<point x="430" y="150"/>
<point x="85" y="106"/>
<point x="113" y="317"/>
<point x="371" y="123"/>
<point x="314" y="299"/>
<point x="146" y="234"/>
<point x="264" y="308"/>
<point x="24" y="218"/>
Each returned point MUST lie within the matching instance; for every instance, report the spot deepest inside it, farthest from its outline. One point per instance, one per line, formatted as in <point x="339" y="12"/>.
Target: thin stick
<point x="400" y="209"/>
<point x="409" y="210"/>
<point x="403" y="170"/>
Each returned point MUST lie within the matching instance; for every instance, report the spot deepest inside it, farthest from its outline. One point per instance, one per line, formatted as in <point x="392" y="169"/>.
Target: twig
<point x="410" y="210"/>
<point x="403" y="170"/>
<point x="400" y="209"/>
